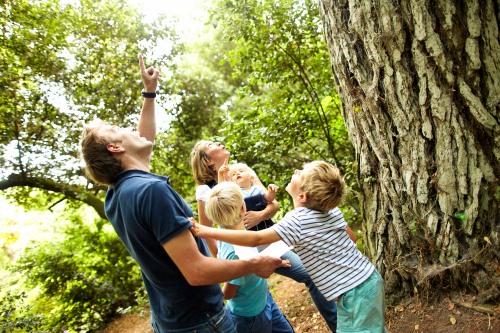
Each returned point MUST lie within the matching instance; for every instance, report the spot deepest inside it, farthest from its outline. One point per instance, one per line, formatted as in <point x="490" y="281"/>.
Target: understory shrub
<point x="84" y="277"/>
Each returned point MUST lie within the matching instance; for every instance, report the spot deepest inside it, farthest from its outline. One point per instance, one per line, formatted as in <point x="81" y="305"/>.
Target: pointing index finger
<point x="141" y="63"/>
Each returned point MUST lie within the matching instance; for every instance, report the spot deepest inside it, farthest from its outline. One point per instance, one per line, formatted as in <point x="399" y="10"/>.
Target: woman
<point x="206" y="159"/>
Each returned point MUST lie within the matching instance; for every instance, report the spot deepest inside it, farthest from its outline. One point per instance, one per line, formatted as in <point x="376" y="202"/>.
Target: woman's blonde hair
<point x="199" y="163"/>
<point x="223" y="206"/>
<point x="323" y="185"/>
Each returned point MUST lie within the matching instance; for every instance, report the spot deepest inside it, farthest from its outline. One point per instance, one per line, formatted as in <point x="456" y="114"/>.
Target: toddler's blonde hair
<point x="223" y="206"/>
<point x="323" y="185"/>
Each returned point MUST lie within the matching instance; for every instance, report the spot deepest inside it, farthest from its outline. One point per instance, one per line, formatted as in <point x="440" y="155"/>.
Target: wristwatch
<point x="148" y="94"/>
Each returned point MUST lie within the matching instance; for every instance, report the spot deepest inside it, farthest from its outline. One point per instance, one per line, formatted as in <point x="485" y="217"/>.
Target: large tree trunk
<point x="420" y="86"/>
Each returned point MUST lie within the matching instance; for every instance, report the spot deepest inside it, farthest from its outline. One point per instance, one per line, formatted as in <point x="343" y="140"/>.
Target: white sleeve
<point x="203" y="192"/>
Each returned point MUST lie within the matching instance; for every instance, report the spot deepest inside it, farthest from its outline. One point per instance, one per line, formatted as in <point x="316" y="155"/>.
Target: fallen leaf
<point x="453" y="320"/>
<point x="416" y="327"/>
<point x="452" y="306"/>
<point x="401" y="309"/>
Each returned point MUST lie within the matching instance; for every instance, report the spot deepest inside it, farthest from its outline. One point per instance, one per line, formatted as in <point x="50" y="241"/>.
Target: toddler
<point x="244" y="177"/>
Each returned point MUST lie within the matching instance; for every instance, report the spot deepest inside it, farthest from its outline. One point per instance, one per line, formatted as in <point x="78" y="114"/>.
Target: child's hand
<point x="199" y="230"/>
<point x="270" y="193"/>
<point x="224" y="173"/>
<point x="285" y="263"/>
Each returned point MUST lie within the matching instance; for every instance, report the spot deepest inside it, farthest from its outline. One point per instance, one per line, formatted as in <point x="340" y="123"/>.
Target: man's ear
<point x="302" y="197"/>
<point x="243" y="210"/>
<point x="115" y="149"/>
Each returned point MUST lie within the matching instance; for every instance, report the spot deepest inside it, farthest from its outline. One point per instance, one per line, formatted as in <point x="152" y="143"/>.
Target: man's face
<point x="241" y="176"/>
<point x="128" y="138"/>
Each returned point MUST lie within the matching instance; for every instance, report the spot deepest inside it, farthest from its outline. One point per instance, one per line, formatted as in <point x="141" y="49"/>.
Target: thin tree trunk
<point x="420" y="86"/>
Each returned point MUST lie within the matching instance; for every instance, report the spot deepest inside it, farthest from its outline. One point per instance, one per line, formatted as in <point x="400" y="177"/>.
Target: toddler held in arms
<point x="317" y="230"/>
<point x="244" y="177"/>
<point x="251" y="305"/>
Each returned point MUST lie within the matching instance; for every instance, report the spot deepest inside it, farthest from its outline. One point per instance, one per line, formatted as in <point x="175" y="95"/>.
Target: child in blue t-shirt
<point x="251" y="305"/>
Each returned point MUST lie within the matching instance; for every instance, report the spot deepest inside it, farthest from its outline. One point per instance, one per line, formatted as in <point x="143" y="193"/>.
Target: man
<point x="151" y="219"/>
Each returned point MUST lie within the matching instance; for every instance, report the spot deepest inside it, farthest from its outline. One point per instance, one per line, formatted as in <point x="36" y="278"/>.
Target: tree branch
<point x="69" y="191"/>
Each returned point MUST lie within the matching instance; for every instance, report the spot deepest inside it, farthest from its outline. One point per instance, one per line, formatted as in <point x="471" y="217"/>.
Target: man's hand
<point x="149" y="76"/>
<point x="199" y="230"/>
<point x="265" y="265"/>
<point x="224" y="172"/>
<point x="270" y="193"/>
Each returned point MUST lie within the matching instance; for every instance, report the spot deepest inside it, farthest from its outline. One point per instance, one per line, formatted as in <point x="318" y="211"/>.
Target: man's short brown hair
<point x="199" y="163"/>
<point x="323" y="185"/>
<point x="100" y="165"/>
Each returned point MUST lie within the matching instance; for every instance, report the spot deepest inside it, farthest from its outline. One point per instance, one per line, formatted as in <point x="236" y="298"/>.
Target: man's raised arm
<point x="147" y="121"/>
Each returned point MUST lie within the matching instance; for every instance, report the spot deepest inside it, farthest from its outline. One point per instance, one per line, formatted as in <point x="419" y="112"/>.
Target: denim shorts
<point x="270" y="320"/>
<point x="218" y="323"/>
<point x="362" y="309"/>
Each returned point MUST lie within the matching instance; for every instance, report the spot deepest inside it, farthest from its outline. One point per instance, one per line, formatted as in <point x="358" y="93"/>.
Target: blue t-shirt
<point x="250" y="299"/>
<point x="146" y="213"/>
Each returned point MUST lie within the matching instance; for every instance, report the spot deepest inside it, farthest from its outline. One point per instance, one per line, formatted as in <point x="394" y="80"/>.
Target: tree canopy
<point x="80" y="66"/>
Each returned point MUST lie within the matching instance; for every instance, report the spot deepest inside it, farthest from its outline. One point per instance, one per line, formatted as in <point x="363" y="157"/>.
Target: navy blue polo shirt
<point x="146" y="213"/>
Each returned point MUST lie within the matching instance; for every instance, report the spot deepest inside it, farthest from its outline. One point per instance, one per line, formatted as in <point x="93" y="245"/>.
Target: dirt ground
<point x="438" y="315"/>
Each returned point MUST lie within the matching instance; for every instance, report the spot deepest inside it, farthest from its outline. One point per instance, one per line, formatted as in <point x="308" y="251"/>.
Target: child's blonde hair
<point x="323" y="185"/>
<point x="223" y="206"/>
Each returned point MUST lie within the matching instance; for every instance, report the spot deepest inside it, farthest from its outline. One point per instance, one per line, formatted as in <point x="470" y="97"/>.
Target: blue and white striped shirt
<point x="329" y="255"/>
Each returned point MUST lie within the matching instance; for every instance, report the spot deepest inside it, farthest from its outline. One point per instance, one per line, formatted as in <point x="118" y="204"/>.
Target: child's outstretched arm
<point x="236" y="237"/>
<point x="270" y="193"/>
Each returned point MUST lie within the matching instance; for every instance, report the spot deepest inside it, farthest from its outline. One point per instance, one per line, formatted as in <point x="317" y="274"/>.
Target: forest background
<point x="257" y="77"/>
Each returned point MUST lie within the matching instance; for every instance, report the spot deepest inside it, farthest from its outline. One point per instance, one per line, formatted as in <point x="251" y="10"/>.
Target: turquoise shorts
<point x="362" y="309"/>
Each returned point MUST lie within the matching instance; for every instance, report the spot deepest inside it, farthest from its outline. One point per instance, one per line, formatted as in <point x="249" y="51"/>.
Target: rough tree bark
<point x="420" y="86"/>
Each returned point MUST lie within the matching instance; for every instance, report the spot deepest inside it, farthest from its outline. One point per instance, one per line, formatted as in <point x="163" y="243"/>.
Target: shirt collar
<point x="127" y="174"/>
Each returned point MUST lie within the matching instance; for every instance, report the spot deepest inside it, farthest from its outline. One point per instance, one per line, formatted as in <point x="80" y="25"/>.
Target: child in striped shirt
<point x="317" y="230"/>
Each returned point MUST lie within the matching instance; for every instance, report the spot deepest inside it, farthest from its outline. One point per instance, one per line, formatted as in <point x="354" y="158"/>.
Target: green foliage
<point x="63" y="66"/>
<point x="84" y="277"/>
<point x="16" y="316"/>
<point x="197" y="90"/>
<point x="288" y="111"/>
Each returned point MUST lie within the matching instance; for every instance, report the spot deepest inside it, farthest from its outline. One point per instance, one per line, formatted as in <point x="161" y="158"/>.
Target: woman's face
<point x="217" y="152"/>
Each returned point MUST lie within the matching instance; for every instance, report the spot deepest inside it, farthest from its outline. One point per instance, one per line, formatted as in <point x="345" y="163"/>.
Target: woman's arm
<point x="229" y="290"/>
<point x="237" y="237"/>
<point x="211" y="243"/>
<point x="252" y="218"/>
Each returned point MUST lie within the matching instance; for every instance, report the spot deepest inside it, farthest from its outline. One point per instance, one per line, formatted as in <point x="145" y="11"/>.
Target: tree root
<point x="481" y="309"/>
